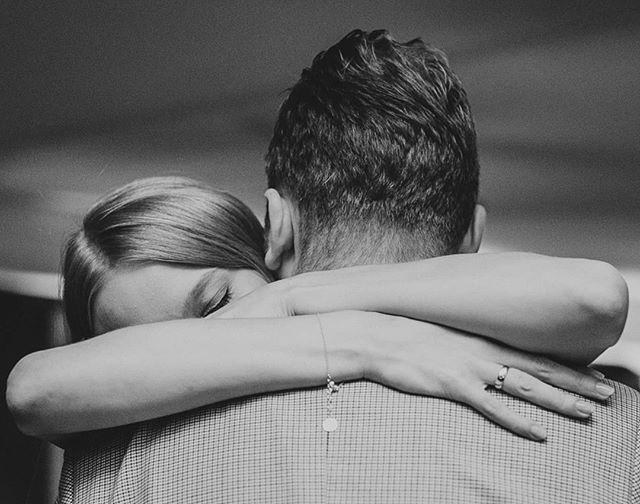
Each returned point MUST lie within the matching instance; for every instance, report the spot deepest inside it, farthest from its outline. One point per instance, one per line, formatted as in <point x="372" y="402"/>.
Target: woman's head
<point x="163" y="221"/>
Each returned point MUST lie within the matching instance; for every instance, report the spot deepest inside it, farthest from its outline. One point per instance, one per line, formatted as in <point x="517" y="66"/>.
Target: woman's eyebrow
<point x="196" y="294"/>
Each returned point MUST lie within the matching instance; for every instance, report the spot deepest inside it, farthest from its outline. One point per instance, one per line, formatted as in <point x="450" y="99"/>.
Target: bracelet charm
<point x="329" y="424"/>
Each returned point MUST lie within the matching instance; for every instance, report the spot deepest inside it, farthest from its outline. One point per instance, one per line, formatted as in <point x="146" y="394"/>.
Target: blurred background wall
<point x="95" y="94"/>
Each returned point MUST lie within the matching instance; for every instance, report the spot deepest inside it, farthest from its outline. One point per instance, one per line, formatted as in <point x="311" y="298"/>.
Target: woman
<point x="163" y="249"/>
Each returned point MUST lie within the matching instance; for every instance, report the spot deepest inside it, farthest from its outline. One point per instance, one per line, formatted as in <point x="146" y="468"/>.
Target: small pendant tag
<point x="329" y="424"/>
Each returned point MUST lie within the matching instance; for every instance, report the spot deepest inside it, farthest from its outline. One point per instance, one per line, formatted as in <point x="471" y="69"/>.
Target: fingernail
<point x="538" y="432"/>
<point x="604" y="390"/>
<point x="595" y="373"/>
<point x="584" y="407"/>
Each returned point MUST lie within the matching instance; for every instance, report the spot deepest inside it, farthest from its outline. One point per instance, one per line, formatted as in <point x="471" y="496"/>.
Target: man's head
<point x="373" y="159"/>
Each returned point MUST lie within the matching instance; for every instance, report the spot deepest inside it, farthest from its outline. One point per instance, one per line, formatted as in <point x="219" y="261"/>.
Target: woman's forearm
<point x="149" y="371"/>
<point x="567" y="308"/>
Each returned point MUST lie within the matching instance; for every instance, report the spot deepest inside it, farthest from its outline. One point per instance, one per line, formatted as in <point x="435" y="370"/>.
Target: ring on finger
<point x="502" y="374"/>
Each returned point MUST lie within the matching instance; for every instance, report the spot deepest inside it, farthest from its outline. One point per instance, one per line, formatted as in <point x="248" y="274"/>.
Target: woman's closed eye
<point x="221" y="298"/>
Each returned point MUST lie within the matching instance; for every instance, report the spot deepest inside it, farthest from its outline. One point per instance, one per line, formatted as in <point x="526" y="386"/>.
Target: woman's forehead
<point x="146" y="294"/>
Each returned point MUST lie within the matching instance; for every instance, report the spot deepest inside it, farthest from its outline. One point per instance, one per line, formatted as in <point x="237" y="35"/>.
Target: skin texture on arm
<point x="145" y="372"/>
<point x="153" y="370"/>
<point x="568" y="309"/>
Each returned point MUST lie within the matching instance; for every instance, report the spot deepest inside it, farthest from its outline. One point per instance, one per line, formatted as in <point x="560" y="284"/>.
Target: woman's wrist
<point x="347" y="340"/>
<point x="285" y="292"/>
<point x="316" y="292"/>
<point x="288" y="292"/>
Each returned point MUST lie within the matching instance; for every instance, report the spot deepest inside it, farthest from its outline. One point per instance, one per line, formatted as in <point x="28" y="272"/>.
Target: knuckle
<point x="450" y="383"/>
<point x="489" y="408"/>
<point x="519" y="425"/>
<point x="544" y="367"/>
<point x="453" y="384"/>
<point x="524" y="384"/>
<point x="583" y="382"/>
<point x="566" y="402"/>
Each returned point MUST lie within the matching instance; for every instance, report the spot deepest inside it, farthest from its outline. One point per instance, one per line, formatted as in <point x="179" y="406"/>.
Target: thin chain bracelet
<point x="330" y="423"/>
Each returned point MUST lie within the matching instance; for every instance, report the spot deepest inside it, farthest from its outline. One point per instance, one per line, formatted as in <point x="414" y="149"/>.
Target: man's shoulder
<point x="625" y="401"/>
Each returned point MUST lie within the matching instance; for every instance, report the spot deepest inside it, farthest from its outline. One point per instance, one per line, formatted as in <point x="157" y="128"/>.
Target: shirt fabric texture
<point x="389" y="447"/>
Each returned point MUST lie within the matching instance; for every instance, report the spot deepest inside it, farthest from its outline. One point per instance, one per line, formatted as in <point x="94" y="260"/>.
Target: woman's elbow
<point x="607" y="299"/>
<point x="26" y="396"/>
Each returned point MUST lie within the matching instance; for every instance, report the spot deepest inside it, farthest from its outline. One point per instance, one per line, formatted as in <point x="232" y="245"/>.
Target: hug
<point x="355" y="348"/>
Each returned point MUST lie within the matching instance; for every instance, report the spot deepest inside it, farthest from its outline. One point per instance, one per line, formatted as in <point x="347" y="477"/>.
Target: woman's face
<point x="153" y="293"/>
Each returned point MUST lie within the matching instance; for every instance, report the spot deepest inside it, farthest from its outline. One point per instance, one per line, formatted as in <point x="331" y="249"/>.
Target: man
<point x="373" y="160"/>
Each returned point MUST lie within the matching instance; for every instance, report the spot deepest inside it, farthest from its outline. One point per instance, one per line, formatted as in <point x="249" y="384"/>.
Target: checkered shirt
<point x="389" y="447"/>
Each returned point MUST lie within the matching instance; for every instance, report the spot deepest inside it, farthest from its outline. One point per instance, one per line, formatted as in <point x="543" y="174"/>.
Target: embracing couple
<point x="354" y="350"/>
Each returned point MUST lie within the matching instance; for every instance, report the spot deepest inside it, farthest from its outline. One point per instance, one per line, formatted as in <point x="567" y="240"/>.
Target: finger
<point x="496" y="411"/>
<point x="599" y="375"/>
<point x="522" y="385"/>
<point x="560" y="376"/>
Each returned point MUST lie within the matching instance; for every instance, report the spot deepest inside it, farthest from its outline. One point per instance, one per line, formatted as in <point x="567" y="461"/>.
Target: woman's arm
<point x="148" y="371"/>
<point x="569" y="309"/>
<point x="144" y="372"/>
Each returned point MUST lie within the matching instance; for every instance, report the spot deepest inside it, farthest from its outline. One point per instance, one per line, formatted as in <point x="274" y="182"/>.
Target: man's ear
<point x="280" y="254"/>
<point x="471" y="241"/>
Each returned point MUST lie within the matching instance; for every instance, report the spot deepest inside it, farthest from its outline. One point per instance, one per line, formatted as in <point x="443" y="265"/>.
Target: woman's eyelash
<point x="211" y="308"/>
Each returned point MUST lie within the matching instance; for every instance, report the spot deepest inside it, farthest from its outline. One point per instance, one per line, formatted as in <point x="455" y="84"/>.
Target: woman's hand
<point x="427" y="359"/>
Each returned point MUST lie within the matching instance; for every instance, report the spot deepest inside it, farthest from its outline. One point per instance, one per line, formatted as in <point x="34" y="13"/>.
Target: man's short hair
<point x="376" y="145"/>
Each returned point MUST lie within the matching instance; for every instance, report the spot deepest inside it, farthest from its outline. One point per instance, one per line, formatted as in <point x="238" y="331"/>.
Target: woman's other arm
<point x="569" y="309"/>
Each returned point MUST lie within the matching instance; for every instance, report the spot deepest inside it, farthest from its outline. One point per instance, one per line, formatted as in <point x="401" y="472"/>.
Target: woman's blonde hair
<point x="169" y="220"/>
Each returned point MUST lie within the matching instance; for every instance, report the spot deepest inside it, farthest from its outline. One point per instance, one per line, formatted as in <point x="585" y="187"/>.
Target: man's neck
<point x="328" y="251"/>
